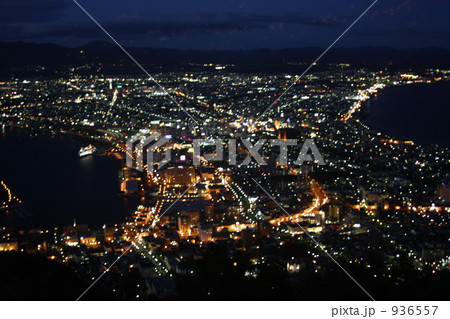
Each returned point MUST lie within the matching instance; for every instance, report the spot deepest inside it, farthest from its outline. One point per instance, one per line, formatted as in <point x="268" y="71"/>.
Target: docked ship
<point x="88" y="150"/>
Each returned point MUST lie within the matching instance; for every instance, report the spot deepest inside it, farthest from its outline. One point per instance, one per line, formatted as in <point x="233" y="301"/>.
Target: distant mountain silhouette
<point x="20" y="55"/>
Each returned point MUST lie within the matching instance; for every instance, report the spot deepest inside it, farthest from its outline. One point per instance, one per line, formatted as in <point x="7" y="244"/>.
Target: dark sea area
<point x="418" y="112"/>
<point x="56" y="186"/>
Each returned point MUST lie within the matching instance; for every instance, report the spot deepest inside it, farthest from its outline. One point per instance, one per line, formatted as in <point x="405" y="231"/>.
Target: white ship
<point x="88" y="150"/>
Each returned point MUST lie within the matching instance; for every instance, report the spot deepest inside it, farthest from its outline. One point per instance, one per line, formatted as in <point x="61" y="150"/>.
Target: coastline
<point x="364" y="113"/>
<point x="62" y="171"/>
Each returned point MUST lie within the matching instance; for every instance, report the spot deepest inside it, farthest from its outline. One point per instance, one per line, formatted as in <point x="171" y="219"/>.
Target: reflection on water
<point x="58" y="186"/>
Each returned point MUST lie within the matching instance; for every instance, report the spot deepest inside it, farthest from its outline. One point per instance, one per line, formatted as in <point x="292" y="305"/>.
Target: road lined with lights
<point x="320" y="199"/>
<point x="363" y="95"/>
<point x="157" y="261"/>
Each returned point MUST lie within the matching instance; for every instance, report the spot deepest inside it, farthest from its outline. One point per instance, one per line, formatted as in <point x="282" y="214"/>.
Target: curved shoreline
<point x="364" y="114"/>
<point x="87" y="211"/>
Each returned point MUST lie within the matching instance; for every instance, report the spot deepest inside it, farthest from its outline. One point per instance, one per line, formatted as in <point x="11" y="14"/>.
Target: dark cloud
<point x="199" y="23"/>
<point x="175" y="25"/>
<point x="31" y="11"/>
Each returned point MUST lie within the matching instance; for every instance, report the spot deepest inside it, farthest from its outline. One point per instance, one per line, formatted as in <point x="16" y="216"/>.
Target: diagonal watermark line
<point x="134" y="60"/>
<point x="315" y="61"/>
<point x="316" y="242"/>
<point x="134" y="241"/>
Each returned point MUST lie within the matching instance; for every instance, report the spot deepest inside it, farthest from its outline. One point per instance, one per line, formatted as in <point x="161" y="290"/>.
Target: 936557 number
<point x="414" y="310"/>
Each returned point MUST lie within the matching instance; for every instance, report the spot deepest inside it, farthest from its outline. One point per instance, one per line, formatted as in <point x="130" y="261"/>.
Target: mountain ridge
<point x="21" y="54"/>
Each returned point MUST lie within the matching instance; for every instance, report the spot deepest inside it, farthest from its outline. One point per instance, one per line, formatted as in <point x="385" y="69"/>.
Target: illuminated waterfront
<point x="57" y="186"/>
<point x="419" y="112"/>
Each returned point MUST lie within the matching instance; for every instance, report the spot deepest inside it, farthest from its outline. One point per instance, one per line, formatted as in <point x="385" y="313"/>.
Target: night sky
<point x="229" y="24"/>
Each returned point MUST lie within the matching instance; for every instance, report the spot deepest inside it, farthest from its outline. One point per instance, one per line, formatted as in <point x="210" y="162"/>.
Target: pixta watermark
<point x="150" y="151"/>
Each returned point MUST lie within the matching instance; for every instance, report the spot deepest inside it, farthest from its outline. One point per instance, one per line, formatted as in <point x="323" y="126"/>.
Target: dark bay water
<point x="57" y="186"/>
<point x="418" y="112"/>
